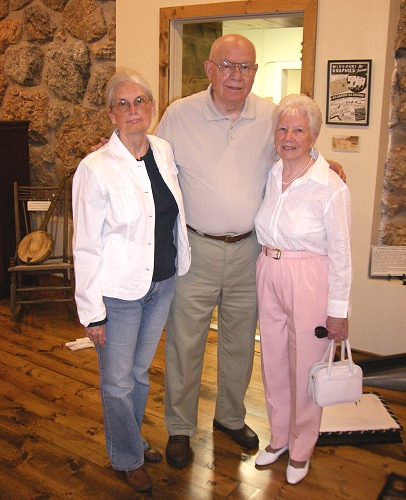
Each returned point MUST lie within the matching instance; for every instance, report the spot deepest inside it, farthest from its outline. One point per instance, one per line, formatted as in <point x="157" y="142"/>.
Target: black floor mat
<point x="394" y="489"/>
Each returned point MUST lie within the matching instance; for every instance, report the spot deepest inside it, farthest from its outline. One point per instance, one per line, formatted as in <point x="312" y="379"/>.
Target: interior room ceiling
<point x="271" y="22"/>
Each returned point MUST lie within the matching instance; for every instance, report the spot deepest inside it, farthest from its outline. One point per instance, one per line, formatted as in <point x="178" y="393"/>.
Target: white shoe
<point x="266" y="457"/>
<point x="294" y="475"/>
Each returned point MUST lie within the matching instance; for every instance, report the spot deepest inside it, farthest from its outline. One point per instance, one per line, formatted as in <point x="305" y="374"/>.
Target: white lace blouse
<point x="313" y="214"/>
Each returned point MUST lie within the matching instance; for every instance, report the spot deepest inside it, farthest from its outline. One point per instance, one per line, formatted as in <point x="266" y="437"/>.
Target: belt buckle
<point x="278" y="253"/>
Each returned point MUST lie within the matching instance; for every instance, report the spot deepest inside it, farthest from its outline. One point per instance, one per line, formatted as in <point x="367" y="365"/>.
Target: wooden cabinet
<point x="14" y="166"/>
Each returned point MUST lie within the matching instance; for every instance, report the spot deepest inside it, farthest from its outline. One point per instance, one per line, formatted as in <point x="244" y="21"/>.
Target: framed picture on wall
<point x="348" y="92"/>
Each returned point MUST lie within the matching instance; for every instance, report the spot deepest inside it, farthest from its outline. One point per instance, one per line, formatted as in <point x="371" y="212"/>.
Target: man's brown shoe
<point x="245" y="436"/>
<point x="139" y="479"/>
<point x="178" y="451"/>
<point x="152" y="455"/>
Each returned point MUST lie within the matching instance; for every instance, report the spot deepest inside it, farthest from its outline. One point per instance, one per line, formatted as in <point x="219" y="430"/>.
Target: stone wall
<point x="55" y="59"/>
<point x="197" y="41"/>
<point x="393" y="220"/>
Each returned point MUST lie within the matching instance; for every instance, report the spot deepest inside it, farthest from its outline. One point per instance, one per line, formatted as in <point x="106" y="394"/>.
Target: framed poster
<point x="348" y="92"/>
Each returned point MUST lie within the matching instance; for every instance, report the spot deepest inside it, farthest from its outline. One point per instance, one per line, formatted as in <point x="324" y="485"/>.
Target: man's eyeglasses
<point x="228" y="68"/>
<point x="123" y="105"/>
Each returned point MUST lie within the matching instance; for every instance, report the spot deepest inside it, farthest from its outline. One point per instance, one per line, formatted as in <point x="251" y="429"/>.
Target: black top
<point x="166" y="211"/>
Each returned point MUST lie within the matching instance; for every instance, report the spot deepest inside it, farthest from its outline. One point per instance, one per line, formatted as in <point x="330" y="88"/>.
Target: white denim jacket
<point x="114" y="224"/>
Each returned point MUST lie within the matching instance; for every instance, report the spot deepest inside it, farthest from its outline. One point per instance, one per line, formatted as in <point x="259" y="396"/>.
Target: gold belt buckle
<point x="278" y="253"/>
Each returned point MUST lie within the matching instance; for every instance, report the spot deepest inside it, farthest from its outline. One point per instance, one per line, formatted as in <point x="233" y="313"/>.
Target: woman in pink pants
<point x="303" y="279"/>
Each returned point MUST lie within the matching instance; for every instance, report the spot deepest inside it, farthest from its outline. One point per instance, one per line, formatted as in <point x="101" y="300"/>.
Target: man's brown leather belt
<point x="228" y="238"/>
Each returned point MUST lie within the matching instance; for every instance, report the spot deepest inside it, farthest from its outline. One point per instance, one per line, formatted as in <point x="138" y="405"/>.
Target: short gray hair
<point x="293" y="104"/>
<point x="122" y="76"/>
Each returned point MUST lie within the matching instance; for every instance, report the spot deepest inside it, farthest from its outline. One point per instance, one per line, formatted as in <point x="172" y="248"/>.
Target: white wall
<point x="378" y="321"/>
<point x="277" y="50"/>
<point x="346" y="30"/>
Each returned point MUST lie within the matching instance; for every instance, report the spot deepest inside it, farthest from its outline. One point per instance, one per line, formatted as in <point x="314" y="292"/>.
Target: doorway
<point x="172" y="20"/>
<point x="278" y="46"/>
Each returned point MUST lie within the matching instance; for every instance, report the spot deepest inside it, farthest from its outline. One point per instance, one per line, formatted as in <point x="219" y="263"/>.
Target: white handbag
<point x="332" y="383"/>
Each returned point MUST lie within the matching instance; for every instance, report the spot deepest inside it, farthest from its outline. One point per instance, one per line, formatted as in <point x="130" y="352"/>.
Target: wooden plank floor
<point x="52" y="441"/>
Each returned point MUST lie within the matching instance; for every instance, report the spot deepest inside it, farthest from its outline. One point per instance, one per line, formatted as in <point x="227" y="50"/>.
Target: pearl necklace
<point x="299" y="174"/>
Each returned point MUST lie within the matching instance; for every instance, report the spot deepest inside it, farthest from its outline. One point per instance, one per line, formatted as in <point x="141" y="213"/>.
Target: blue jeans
<point x="133" y="331"/>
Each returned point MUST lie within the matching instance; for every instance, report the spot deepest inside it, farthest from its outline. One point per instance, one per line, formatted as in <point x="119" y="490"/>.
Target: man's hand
<point x="102" y="142"/>
<point x="338" y="169"/>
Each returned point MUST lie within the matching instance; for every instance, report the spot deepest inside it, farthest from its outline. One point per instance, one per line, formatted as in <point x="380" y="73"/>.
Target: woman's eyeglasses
<point x="123" y="105"/>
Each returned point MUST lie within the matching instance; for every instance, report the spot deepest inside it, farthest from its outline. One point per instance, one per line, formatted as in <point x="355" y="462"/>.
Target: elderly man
<point x="223" y="147"/>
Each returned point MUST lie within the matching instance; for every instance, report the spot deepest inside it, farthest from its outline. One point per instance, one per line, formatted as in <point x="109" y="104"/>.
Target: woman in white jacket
<point x="129" y="240"/>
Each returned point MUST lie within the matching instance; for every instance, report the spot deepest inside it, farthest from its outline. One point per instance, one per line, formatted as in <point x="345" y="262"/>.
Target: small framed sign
<point x="388" y="260"/>
<point x="346" y="143"/>
<point x="38" y="205"/>
<point x="348" y="92"/>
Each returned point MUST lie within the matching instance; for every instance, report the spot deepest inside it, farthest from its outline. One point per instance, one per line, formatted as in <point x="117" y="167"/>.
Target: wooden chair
<point x="43" y="247"/>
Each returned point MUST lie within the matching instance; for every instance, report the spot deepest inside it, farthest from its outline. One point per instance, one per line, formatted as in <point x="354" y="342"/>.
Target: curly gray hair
<point x="293" y="104"/>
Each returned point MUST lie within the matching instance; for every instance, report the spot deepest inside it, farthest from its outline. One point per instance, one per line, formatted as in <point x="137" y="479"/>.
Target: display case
<point x="14" y="166"/>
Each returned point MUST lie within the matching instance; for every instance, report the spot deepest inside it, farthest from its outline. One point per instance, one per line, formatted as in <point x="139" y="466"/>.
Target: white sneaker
<point x="294" y="475"/>
<point x="267" y="457"/>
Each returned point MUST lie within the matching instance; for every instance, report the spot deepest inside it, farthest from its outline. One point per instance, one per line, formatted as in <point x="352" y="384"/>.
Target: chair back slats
<point x="31" y="207"/>
<point x="31" y="204"/>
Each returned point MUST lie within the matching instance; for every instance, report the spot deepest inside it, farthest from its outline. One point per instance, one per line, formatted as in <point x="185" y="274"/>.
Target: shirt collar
<point x="117" y="148"/>
<point x="212" y="113"/>
<point x="317" y="172"/>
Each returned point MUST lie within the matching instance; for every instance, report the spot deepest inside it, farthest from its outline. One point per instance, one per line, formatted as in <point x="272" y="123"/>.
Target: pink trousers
<point x="292" y="301"/>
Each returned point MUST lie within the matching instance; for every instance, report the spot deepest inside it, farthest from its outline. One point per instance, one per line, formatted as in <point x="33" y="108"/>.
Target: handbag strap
<point x="331" y="349"/>
<point x="329" y="352"/>
<point x="346" y="344"/>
